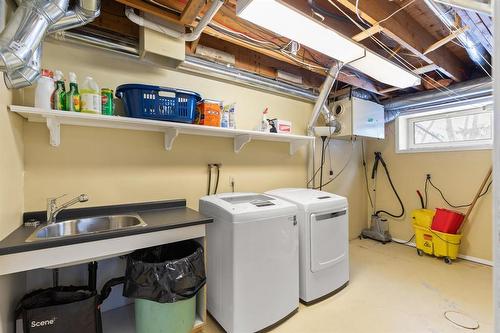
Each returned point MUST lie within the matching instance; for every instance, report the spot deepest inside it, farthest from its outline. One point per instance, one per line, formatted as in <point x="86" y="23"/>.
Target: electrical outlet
<point x="428" y="176"/>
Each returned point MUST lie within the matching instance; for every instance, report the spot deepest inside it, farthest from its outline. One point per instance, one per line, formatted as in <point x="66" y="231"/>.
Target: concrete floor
<point x="394" y="290"/>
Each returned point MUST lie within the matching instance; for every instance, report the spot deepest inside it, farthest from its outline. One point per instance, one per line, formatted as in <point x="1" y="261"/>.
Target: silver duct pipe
<point x="84" y="12"/>
<point x="476" y="51"/>
<point x="26" y="30"/>
<point x="20" y="42"/>
<point x="330" y="79"/>
<point x="193" y="64"/>
<point x="480" y="6"/>
<point x="457" y="93"/>
<point x="25" y="76"/>
<point x="188" y="37"/>
<point x="199" y="66"/>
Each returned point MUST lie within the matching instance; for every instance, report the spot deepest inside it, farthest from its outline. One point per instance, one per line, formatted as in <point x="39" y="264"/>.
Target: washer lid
<point x="245" y="207"/>
<point x="308" y="199"/>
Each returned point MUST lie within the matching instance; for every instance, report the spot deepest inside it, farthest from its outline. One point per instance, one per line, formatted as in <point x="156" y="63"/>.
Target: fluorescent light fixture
<point x="288" y="22"/>
<point x="385" y="71"/>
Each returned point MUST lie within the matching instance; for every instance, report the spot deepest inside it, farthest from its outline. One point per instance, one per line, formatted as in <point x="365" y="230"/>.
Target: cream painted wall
<point x="11" y="199"/>
<point x="115" y="166"/>
<point x="350" y="183"/>
<point x="458" y="174"/>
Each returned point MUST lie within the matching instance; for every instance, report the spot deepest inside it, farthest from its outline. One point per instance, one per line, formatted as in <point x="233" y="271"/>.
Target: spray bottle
<point x="73" y="95"/>
<point x="59" y="95"/>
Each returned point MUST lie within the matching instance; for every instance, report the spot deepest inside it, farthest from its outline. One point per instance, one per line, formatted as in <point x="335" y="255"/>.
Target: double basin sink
<point x="83" y="226"/>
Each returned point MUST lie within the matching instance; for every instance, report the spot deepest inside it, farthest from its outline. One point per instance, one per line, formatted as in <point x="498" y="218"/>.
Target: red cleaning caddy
<point x="447" y="221"/>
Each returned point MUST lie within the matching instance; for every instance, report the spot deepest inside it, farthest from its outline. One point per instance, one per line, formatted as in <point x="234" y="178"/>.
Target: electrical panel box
<point x="358" y="117"/>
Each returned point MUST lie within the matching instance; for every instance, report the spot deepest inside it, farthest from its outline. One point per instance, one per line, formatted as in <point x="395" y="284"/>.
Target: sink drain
<point x="461" y="320"/>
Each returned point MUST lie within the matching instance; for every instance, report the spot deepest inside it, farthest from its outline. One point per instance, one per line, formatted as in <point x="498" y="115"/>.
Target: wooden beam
<point x="343" y="77"/>
<point x="447" y="39"/>
<point x="407" y="32"/>
<point x="425" y="69"/>
<point x="367" y="33"/>
<point x="191" y="11"/>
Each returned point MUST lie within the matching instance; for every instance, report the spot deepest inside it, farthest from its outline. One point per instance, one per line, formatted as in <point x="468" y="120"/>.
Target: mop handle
<point x="471" y="207"/>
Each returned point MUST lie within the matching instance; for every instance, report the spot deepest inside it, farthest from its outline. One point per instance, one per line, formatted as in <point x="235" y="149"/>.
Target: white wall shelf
<point x="54" y="120"/>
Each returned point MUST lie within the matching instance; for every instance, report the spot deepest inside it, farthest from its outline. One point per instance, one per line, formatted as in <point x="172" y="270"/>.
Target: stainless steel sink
<point x="84" y="226"/>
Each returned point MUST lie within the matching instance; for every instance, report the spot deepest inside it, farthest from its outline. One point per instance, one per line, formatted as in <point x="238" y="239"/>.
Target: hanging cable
<point x="209" y="178"/>
<point x="217" y="179"/>
<point x="428" y="180"/>
<point x="341" y="170"/>
<point x="378" y="158"/>
<point x="366" y="172"/>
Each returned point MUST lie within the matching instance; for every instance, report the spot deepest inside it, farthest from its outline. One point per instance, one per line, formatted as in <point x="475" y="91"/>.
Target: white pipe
<point x="188" y="37"/>
<point x="323" y="95"/>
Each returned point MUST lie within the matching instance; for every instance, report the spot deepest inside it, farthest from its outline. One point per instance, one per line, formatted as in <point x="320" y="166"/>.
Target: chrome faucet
<point x="53" y="209"/>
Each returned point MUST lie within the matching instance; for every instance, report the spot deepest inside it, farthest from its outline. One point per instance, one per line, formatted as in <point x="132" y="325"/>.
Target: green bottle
<point x="59" y="95"/>
<point x="73" y="95"/>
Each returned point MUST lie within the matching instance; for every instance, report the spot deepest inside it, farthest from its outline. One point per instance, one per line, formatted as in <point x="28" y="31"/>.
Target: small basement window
<point x="458" y="128"/>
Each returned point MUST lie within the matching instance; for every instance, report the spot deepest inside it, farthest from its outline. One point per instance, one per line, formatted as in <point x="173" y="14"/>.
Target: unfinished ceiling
<point x="427" y="38"/>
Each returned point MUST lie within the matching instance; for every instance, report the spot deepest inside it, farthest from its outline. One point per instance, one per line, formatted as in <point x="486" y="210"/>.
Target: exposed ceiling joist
<point x="406" y="31"/>
<point x="191" y="11"/>
<point x="368" y="32"/>
<point x="446" y="39"/>
<point x="425" y="69"/>
<point x="343" y="77"/>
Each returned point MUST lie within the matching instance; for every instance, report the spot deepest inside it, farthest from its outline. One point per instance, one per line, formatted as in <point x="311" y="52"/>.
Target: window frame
<point x="404" y="140"/>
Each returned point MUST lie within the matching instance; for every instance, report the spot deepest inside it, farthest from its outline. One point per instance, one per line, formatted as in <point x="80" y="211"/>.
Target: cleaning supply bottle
<point x="90" y="96"/>
<point x="264" y="125"/>
<point x="59" y="95"/>
<point x="73" y="95"/>
<point x="44" y="89"/>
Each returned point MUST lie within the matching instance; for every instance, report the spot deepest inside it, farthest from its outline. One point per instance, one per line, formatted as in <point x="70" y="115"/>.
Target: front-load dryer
<point x="323" y="240"/>
<point x="252" y="260"/>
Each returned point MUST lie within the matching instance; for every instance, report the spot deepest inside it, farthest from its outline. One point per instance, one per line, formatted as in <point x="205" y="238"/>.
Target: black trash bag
<point x="166" y="273"/>
<point x="60" y="310"/>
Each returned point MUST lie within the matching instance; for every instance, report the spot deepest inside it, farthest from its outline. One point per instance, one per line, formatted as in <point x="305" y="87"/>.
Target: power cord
<point x="429" y="181"/>
<point x="210" y="166"/>
<point x="366" y="172"/>
<point x="218" y="176"/>
<point x="378" y="157"/>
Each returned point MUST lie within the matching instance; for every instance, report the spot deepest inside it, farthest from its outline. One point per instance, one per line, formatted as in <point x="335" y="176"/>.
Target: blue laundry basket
<point x="158" y="103"/>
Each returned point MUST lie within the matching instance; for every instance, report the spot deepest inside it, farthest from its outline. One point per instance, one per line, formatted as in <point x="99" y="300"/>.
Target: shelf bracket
<point x="170" y="135"/>
<point x="54" y="127"/>
<point x="295" y="146"/>
<point x="240" y="141"/>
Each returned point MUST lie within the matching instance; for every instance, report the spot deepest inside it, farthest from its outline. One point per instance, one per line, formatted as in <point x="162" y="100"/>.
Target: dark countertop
<point x="159" y="215"/>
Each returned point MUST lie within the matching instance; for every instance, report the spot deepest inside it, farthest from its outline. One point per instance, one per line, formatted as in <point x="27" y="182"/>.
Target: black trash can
<point x="165" y="280"/>
<point x="59" y="310"/>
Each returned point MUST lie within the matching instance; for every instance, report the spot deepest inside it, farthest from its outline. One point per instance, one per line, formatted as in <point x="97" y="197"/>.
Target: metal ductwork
<point x="26" y="30"/>
<point x="26" y="75"/>
<point x="445" y="13"/>
<point x="84" y="12"/>
<point x="21" y="40"/>
<point x="188" y="37"/>
<point x="465" y="92"/>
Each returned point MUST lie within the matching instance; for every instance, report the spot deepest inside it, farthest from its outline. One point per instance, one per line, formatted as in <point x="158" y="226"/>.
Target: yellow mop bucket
<point x="437" y="243"/>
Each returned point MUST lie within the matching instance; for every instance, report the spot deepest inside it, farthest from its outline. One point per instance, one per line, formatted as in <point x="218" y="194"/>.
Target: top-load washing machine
<point x="323" y="240"/>
<point x="252" y="260"/>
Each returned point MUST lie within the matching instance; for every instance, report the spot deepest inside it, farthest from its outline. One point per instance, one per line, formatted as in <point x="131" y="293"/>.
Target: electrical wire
<point x="218" y="175"/>
<point x="366" y="172"/>
<point x="209" y="178"/>
<point x="404" y="243"/>
<point x="341" y="170"/>
<point x="448" y="202"/>
<point x="426" y="78"/>
<point x="395" y="192"/>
